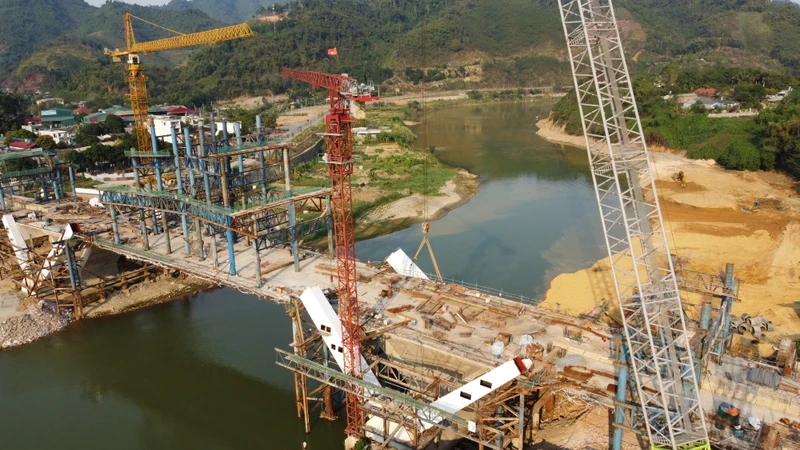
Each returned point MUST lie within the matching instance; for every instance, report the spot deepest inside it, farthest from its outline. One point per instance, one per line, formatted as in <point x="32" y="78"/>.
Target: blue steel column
<point x="202" y="151"/>
<point x="45" y="193"/>
<point x="60" y="185"/>
<point x="203" y="165"/>
<point x="55" y="189"/>
<point x="72" y="182"/>
<point x="622" y="387"/>
<point x="213" y="134"/>
<point x="238" y="128"/>
<point x="2" y="199"/>
<point x="258" y="128"/>
<point x="225" y="140"/>
<point x="114" y="226"/>
<point x="157" y="161"/>
<point x="179" y="180"/>
<point x="191" y="164"/>
<point x="74" y="277"/>
<point x="291" y="210"/>
<point x="725" y="308"/>
<point x="257" y="262"/>
<point x="264" y="181"/>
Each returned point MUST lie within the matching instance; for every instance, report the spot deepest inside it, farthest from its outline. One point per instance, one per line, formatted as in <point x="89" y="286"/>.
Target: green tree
<point x="114" y="124"/>
<point x="12" y="112"/>
<point x="271" y="121"/>
<point x="698" y="107"/>
<point x="740" y="155"/>
<point x="749" y="94"/>
<point x="85" y="139"/>
<point x="20" y="135"/>
<point x="46" y="142"/>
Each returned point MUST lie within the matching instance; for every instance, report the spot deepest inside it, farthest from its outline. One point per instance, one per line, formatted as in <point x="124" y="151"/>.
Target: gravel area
<point x="37" y="321"/>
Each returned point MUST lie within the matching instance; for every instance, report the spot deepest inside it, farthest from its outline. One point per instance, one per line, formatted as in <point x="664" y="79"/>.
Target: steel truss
<point x="654" y="323"/>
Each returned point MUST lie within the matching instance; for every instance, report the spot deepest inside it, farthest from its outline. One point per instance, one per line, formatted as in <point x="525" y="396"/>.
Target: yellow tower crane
<point x="136" y="79"/>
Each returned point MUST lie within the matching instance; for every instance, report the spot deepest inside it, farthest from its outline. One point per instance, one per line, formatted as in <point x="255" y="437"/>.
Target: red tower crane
<point x="346" y="100"/>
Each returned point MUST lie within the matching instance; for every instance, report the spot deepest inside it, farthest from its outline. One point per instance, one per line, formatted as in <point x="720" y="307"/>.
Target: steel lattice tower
<point x="339" y="142"/>
<point x="654" y="323"/>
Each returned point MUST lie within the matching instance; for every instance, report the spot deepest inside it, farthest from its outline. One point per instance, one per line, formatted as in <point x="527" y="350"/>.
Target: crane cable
<point x="426" y="226"/>
<point x="157" y="25"/>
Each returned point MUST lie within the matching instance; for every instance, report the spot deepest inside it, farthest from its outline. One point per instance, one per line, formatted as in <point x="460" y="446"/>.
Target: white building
<point x="58" y="136"/>
<point x="163" y="125"/>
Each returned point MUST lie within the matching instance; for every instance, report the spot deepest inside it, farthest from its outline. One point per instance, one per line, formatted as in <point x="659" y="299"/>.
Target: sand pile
<point x="712" y="221"/>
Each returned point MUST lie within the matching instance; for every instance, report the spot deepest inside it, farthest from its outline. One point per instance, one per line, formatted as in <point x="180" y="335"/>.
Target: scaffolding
<point x="403" y="404"/>
<point x="213" y="202"/>
<point x="33" y="176"/>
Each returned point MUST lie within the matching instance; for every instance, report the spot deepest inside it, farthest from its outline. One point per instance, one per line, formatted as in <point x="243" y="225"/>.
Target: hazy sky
<point x="138" y="2"/>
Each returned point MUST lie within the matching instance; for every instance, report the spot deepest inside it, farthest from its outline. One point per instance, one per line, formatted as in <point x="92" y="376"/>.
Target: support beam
<point x="238" y="127"/>
<point x="291" y="208"/>
<point x="114" y="224"/>
<point x="72" y="182"/>
<point x="156" y="161"/>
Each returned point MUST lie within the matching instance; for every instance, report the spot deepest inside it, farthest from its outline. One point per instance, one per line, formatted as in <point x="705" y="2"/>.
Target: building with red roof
<point x="179" y="111"/>
<point x="705" y="92"/>
<point x="82" y="110"/>
<point x="21" y="145"/>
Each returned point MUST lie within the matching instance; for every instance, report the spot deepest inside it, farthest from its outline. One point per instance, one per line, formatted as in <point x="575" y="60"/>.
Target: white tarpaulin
<point x="403" y="265"/>
<point x="326" y="320"/>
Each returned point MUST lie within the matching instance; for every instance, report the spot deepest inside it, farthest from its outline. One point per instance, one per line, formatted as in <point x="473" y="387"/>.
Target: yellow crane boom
<point x="137" y="82"/>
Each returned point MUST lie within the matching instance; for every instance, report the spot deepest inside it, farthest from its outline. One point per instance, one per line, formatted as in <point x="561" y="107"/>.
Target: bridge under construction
<point x="417" y="363"/>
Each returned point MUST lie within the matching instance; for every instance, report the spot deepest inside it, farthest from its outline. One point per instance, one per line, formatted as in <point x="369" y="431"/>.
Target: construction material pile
<point x="37" y="321"/>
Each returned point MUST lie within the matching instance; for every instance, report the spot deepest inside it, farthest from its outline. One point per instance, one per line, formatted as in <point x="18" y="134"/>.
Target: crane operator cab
<point x="359" y="94"/>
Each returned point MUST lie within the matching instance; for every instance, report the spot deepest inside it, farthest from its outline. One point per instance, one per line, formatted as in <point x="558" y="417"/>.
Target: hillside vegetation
<point x="232" y="11"/>
<point x="445" y="44"/>
<point x="29" y="24"/>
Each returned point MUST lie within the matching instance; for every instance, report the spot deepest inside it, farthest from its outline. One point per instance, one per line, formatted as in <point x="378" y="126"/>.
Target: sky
<point x="138" y="2"/>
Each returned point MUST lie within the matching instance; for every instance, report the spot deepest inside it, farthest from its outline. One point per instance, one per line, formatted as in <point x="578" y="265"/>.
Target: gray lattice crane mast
<point x="658" y="347"/>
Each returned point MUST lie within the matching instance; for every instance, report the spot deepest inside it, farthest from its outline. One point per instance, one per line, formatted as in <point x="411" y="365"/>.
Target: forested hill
<point x="29" y="24"/>
<point x="400" y="43"/>
<point x="231" y="11"/>
<point x="41" y="38"/>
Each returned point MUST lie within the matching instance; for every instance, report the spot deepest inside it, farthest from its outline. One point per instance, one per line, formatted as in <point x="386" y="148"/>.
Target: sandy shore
<point x="142" y="295"/>
<point x="551" y="132"/>
<point x="453" y="194"/>
<point x="709" y="222"/>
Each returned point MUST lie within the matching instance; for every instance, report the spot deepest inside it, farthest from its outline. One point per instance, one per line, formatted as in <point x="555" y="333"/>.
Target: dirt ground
<point x="290" y="117"/>
<point x="711" y="222"/>
<point x="145" y="294"/>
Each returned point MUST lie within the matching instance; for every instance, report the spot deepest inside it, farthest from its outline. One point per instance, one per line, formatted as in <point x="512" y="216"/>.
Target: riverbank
<point x="24" y="322"/>
<point x="711" y="222"/>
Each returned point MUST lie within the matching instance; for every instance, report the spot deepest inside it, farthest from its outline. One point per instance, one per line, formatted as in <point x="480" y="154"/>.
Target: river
<point x="200" y="373"/>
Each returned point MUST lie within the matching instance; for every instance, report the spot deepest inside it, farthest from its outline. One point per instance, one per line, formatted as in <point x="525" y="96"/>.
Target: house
<point x="682" y="99"/>
<point x="158" y="110"/>
<point x="179" y="111"/>
<point x="779" y="96"/>
<point x="81" y="110"/>
<point x="55" y="118"/>
<point x="59" y="136"/>
<point x="713" y="104"/>
<point x="126" y="114"/>
<point x="705" y="92"/>
<point x="21" y="145"/>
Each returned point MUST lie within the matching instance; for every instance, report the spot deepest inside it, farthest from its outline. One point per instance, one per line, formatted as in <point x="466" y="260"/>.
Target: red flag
<point x="333" y="51"/>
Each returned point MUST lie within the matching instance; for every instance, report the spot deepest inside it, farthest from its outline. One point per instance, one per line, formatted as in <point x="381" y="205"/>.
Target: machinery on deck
<point x="137" y="81"/>
<point x="657" y="343"/>
<point x="347" y="98"/>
